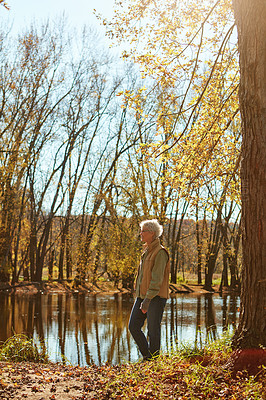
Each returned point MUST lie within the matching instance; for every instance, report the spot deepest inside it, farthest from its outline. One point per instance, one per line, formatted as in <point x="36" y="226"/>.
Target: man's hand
<point x="145" y="305"/>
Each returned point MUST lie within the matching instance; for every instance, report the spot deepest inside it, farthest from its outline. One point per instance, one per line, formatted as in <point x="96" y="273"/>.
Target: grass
<point x="189" y="373"/>
<point x="21" y="348"/>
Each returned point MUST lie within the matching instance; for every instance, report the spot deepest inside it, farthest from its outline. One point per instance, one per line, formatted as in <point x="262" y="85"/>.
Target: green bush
<point x="21" y="348"/>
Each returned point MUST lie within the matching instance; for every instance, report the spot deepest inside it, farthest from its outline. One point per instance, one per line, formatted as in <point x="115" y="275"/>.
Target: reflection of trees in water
<point x="198" y="336"/>
<point x="29" y="316"/>
<point x="113" y="329"/>
<point x="210" y="323"/>
<point x="229" y="311"/>
<point x="172" y="338"/>
<point x="5" y="317"/>
<point x="81" y="327"/>
<point x="86" y="329"/>
<point x="94" y="324"/>
<point x="232" y="312"/>
<point x="38" y="317"/>
<point x="97" y="336"/>
<point x="200" y="312"/>
<point x="38" y="321"/>
<point x="224" y="314"/>
<point x="63" y="310"/>
<point x="121" y="334"/>
<point x="184" y="314"/>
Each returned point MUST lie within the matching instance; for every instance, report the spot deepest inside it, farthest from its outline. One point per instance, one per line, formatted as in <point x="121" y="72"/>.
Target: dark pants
<point x="154" y="318"/>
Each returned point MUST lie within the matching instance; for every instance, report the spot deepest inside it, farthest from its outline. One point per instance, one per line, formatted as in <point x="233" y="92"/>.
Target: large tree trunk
<point x="251" y="24"/>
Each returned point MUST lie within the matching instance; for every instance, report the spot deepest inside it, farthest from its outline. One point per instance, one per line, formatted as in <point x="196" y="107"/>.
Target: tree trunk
<point x="250" y="19"/>
<point x="213" y="249"/>
<point x="199" y="247"/>
<point x="62" y="249"/>
<point x="176" y="230"/>
<point x="224" y="280"/>
<point x="51" y="265"/>
<point x="233" y="265"/>
<point x="68" y="256"/>
<point x="209" y="271"/>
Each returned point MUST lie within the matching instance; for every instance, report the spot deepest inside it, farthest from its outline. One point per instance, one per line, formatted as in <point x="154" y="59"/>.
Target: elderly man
<point x="152" y="290"/>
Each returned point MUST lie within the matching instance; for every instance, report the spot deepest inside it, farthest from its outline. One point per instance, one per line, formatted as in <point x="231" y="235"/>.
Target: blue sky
<point x="79" y="12"/>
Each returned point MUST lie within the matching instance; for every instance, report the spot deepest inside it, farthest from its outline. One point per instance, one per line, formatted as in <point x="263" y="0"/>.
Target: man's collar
<point x="153" y="244"/>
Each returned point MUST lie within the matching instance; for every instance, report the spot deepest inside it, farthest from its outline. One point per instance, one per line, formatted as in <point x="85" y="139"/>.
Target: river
<point x="81" y="329"/>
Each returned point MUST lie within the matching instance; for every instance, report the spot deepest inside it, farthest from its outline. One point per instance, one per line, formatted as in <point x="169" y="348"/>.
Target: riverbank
<point x="210" y="376"/>
<point x="104" y="287"/>
<point x="60" y="287"/>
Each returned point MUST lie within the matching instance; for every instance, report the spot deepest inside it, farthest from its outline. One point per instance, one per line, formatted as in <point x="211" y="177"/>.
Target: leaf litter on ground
<point x="173" y="377"/>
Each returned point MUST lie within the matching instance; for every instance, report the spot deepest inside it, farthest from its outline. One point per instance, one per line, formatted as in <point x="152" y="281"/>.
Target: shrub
<point x="21" y="348"/>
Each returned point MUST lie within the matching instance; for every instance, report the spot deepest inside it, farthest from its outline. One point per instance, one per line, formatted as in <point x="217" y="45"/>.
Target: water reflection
<point x="83" y="329"/>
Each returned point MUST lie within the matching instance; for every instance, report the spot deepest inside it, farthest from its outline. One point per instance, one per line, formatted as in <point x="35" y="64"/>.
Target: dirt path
<point x="48" y="381"/>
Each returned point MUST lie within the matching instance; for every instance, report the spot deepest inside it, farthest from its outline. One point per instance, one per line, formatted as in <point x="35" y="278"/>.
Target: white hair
<point x="152" y="225"/>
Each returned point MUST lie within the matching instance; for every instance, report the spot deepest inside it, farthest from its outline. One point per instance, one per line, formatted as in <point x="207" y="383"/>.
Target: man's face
<point x="146" y="236"/>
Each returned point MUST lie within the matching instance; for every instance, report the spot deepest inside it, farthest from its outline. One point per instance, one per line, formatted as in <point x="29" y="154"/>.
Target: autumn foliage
<point x="87" y="152"/>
